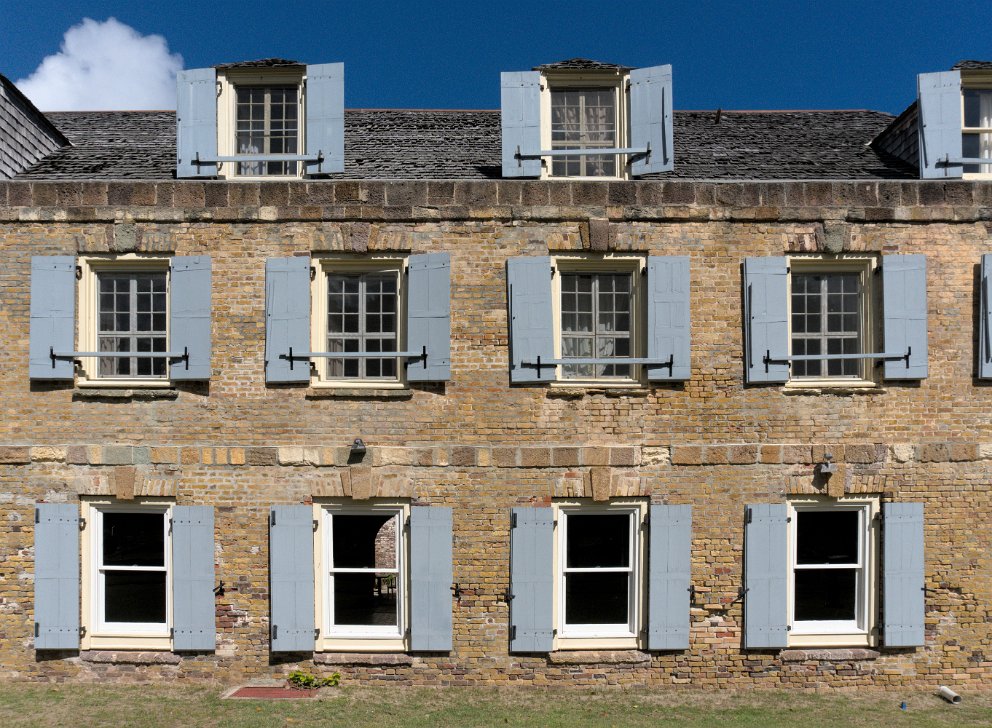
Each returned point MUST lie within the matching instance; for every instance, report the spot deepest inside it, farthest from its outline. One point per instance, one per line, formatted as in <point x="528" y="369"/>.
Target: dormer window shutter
<point x="325" y="117"/>
<point x="196" y="122"/>
<point x="520" y="106"/>
<point x="651" y="119"/>
<point x="939" y="121"/>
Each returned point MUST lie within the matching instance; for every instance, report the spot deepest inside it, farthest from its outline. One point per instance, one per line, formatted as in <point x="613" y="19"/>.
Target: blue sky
<point x="443" y="54"/>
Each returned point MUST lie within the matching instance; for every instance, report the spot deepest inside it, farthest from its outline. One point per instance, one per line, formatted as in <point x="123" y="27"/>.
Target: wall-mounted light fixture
<point x="358" y="447"/>
<point x="828" y="467"/>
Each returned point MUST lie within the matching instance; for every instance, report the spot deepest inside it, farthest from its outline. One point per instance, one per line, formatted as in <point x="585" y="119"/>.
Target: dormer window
<point x="260" y="119"/>
<point x="584" y="119"/>
<point x="976" y="135"/>
<point x="954" y="118"/>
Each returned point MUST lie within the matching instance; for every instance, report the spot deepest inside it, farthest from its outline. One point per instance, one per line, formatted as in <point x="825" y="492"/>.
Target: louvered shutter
<point x="325" y="117"/>
<point x="430" y="579"/>
<point x="532" y="580"/>
<point x="765" y="313"/>
<point x="287" y="318"/>
<point x="985" y="321"/>
<point x="194" y="613"/>
<point x="520" y="107"/>
<point x="904" y="303"/>
<point x="56" y="576"/>
<point x="531" y="319"/>
<point x="196" y="122"/>
<point x="429" y="316"/>
<point x="291" y="592"/>
<point x="189" y="323"/>
<point x="939" y="123"/>
<point x="651" y="119"/>
<point x="669" y="565"/>
<point x="766" y="568"/>
<point x="902" y="575"/>
<point x="668" y="331"/>
<point x="53" y="315"/>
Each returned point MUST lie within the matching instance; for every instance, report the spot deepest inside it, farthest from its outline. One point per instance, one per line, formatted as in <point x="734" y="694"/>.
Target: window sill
<point x="361" y="658"/>
<point x="130" y="657"/>
<point x="828" y="655"/>
<point x="600" y="657"/>
<point x="97" y="392"/>
<point x="819" y="388"/>
<point x="359" y="393"/>
<point x="578" y="392"/>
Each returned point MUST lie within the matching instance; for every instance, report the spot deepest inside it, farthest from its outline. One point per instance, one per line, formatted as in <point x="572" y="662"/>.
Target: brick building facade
<point x="497" y="452"/>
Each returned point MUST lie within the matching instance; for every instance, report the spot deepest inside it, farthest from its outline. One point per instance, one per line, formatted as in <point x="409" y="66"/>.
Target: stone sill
<point x="580" y="392"/>
<point x="823" y="391"/>
<point x="357" y="393"/>
<point x="104" y="393"/>
<point x="828" y="655"/>
<point x="126" y="657"/>
<point x="599" y="657"/>
<point x="372" y="659"/>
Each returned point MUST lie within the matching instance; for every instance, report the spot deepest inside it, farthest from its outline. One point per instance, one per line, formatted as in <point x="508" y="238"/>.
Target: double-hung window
<point x="976" y="132"/>
<point x="131" y="316"/>
<point x="584" y="118"/>
<point x="267" y="122"/>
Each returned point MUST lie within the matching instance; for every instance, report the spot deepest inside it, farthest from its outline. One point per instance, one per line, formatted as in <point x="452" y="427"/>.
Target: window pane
<point x="365" y="599"/>
<point x="583" y="118"/>
<point x="827" y="537"/>
<point x="592" y="598"/>
<point x="133" y="539"/>
<point x="364" y="541"/>
<point x="134" y="596"/>
<point x="826" y="318"/>
<point x="826" y="594"/>
<point x="598" y="540"/>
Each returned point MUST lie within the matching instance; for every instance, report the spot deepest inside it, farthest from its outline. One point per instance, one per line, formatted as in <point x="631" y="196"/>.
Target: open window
<point x="583" y="119"/>
<point x="143" y="321"/>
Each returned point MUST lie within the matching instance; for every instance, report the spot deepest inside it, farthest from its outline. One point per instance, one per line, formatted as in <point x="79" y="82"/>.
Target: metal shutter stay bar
<point x="634" y="152"/>
<point x="184" y="355"/>
<point x="291" y="357"/>
<point x="947" y="161"/>
<point x="769" y="359"/>
<point x="619" y="361"/>
<point x="261" y="158"/>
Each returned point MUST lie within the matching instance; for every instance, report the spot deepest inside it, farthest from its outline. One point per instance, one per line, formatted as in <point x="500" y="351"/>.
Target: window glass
<point x="267" y="123"/>
<point x="598" y="570"/>
<point x="828" y="576"/>
<point x="362" y="316"/>
<point x="364" y="570"/>
<point x="584" y="118"/>
<point x="595" y="322"/>
<point x="132" y="568"/>
<point x="826" y="319"/>
<point x="131" y="314"/>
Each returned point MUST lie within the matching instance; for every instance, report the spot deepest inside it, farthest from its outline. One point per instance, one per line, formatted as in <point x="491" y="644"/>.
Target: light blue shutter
<point x="902" y="574"/>
<point x="189" y="324"/>
<point x="53" y="315"/>
<point x="985" y="321"/>
<point x="531" y="319"/>
<point x="291" y="595"/>
<point x="56" y="576"/>
<point x="904" y="303"/>
<point x="287" y="318"/>
<point x="651" y="119"/>
<point x="668" y="317"/>
<point x="520" y="106"/>
<point x="766" y="567"/>
<point x="939" y="122"/>
<point x="532" y="580"/>
<point x="193" y="610"/>
<point x="196" y="122"/>
<point x="428" y="316"/>
<point x="669" y="567"/>
<point x="766" y="302"/>
<point x="430" y="579"/>
<point x="325" y="117"/>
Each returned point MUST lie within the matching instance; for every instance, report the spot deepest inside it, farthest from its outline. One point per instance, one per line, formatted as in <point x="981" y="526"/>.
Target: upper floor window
<point x="267" y="122"/>
<point x="976" y="133"/>
<point x="585" y="119"/>
<point x="131" y="314"/>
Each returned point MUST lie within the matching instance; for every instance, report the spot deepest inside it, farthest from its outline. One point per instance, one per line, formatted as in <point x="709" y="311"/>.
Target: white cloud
<point x="105" y="65"/>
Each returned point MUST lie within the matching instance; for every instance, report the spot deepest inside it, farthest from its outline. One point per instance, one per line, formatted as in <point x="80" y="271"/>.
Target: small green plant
<point x="305" y="681"/>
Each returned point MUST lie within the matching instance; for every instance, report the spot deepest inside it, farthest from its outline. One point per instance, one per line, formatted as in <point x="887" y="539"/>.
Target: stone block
<point x="361" y="481"/>
<point x="600" y="482"/>
<point x="12" y="455"/>
<point x="262" y="455"/>
<point x="47" y="454"/>
<point x="687" y="455"/>
<point x="124" y="483"/>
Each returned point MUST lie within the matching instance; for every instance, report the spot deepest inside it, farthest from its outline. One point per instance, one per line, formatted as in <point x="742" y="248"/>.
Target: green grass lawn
<point x="197" y="705"/>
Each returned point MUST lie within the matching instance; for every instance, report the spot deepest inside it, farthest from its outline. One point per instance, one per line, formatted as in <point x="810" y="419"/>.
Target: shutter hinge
<point x="272" y="518"/>
<point x="788" y="519"/>
<point x="82" y="523"/>
<point x="788" y="628"/>
<point x="313" y="273"/>
<point x="692" y="594"/>
<point x="513" y="633"/>
<point x="37" y="515"/>
<point x="513" y="520"/>
<point x="552" y="271"/>
<point x="316" y="632"/>
<point x="508" y="596"/>
<point x="315" y="525"/>
<point x="82" y="631"/>
<point x="172" y="632"/>
<point x="37" y="629"/>
<point x="275" y="632"/>
<point x="79" y="272"/>
<point x="749" y="517"/>
<point x="457" y="591"/>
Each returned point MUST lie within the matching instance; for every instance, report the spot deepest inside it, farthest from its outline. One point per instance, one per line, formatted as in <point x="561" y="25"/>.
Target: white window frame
<point x="227" y="98"/>
<point x="610" y="264"/>
<point x="618" y="81"/>
<point x="98" y="633"/>
<point x="983" y="83"/>
<point x="87" y="306"/>
<point x="318" y="317"/>
<point x="359" y="638"/>
<point x="863" y="630"/>
<point x="866" y="267"/>
<point x="602" y="636"/>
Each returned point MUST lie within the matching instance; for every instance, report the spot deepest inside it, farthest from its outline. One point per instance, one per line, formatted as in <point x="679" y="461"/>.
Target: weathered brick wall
<point x="481" y="446"/>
